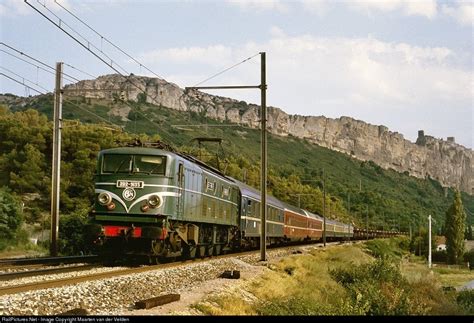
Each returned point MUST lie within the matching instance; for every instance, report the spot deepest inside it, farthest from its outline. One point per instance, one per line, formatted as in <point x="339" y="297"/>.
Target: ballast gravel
<point x="113" y="296"/>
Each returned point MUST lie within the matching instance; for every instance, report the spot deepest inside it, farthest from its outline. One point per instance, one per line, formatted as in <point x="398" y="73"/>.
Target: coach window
<point x="180" y="175"/>
<point x="225" y="192"/>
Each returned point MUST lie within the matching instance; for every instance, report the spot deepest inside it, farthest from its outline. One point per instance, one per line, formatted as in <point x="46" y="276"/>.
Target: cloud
<point x="366" y="78"/>
<point x="463" y="12"/>
<point x="190" y="55"/>
<point x="261" y="5"/>
<point x="319" y="7"/>
<point x="426" y="8"/>
<point x="12" y="8"/>
<point x="363" y="67"/>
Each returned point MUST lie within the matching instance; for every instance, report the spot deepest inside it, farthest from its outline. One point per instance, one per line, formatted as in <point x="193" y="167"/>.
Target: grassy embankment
<point x="375" y="278"/>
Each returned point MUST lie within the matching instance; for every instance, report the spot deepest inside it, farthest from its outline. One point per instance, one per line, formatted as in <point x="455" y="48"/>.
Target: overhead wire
<point x="24" y="79"/>
<point x="67" y="76"/>
<point x="112" y="62"/>
<point x="51" y="72"/>
<point x="227" y="69"/>
<point x="83" y="72"/>
<point x="40" y="92"/>
<point x="107" y="40"/>
<point x="62" y="22"/>
<point x="89" y="43"/>
<point x="22" y="83"/>
<point x="47" y="65"/>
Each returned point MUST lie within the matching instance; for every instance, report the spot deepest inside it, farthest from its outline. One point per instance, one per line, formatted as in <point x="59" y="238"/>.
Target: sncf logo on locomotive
<point x="129" y="194"/>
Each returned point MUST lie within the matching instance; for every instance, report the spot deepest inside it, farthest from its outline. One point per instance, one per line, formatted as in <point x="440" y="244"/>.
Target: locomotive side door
<point x="181" y="191"/>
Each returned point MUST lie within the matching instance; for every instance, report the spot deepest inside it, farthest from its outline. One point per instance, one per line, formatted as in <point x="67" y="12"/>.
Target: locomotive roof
<point x="161" y="152"/>
<point x="134" y="150"/>
<point x="255" y="194"/>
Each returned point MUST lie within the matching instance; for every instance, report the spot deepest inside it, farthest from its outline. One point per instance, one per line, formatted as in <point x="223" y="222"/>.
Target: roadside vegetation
<point x="375" y="278"/>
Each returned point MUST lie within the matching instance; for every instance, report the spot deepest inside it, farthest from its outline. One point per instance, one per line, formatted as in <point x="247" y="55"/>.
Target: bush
<point x="439" y="256"/>
<point x="388" y="248"/>
<point x="469" y="257"/>
<point x="71" y="233"/>
<point x="379" y="289"/>
<point x="10" y="214"/>
<point x="465" y="299"/>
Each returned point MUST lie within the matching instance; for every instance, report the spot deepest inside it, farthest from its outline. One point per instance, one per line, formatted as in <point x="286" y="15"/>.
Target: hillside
<point x="393" y="199"/>
<point x="444" y="160"/>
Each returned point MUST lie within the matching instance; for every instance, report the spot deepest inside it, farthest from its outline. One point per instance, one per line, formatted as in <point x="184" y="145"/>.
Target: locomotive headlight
<point x="104" y="198"/>
<point x="154" y="201"/>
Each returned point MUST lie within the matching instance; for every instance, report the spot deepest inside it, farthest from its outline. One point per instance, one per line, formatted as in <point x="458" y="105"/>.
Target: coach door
<point x="181" y="191"/>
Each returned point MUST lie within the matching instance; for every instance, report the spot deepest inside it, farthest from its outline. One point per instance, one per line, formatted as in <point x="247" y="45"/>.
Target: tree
<point x="28" y="174"/>
<point x="455" y="222"/>
<point x="10" y="214"/>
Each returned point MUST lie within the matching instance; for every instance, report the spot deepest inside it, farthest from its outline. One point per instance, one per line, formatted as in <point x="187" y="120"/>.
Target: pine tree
<point x="455" y="222"/>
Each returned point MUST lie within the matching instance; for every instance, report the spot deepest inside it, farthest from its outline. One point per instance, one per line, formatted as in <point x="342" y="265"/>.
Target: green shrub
<point x="465" y="299"/>
<point x="469" y="257"/>
<point x="379" y="289"/>
<point x="71" y="233"/>
<point x="388" y="248"/>
<point x="439" y="256"/>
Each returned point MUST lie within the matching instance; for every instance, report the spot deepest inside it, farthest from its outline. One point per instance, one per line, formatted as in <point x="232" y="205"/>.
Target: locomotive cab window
<point x="133" y="164"/>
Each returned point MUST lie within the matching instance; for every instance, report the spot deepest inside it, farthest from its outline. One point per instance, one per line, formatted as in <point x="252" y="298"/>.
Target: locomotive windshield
<point x="133" y="164"/>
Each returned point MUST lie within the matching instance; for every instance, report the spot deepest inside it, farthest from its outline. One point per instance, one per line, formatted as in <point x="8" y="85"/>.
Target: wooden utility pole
<point x="56" y="165"/>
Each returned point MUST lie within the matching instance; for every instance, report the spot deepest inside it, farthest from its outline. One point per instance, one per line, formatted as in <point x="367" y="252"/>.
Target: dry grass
<point x="301" y="285"/>
<point x="454" y="277"/>
<point x="299" y="277"/>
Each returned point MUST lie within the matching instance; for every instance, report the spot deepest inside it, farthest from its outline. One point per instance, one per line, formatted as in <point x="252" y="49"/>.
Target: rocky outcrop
<point x="449" y="163"/>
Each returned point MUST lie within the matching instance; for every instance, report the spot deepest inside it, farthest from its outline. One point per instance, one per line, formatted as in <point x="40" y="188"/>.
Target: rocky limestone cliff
<point x="449" y="163"/>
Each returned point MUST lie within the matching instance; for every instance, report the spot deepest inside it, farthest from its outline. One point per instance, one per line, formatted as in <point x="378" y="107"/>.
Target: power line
<point x="37" y="66"/>
<point x="22" y="83"/>
<point x="68" y="77"/>
<point x="24" y="54"/>
<point x="68" y="65"/>
<point x="65" y="75"/>
<point x="62" y="22"/>
<point x="227" y="69"/>
<point x="87" y="47"/>
<point x="70" y="102"/>
<point x="24" y="79"/>
<point x="107" y="40"/>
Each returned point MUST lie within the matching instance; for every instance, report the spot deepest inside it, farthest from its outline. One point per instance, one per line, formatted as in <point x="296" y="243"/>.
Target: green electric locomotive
<point x="158" y="203"/>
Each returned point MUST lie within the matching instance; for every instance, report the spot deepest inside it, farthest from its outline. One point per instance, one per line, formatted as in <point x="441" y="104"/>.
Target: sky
<point x="407" y="65"/>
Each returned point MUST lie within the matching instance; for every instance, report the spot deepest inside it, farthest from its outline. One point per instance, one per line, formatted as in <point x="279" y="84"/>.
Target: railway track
<point x="44" y="271"/>
<point x="47" y="260"/>
<point x="121" y="272"/>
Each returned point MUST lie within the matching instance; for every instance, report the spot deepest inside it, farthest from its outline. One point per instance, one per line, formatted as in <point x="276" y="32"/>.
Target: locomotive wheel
<point x="192" y="252"/>
<point x="154" y="260"/>
<point x="202" y="251"/>
<point x="217" y="249"/>
<point x="157" y="247"/>
<point x="189" y="251"/>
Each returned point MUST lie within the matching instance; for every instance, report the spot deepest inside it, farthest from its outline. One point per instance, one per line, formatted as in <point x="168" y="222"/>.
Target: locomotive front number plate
<point x="131" y="184"/>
